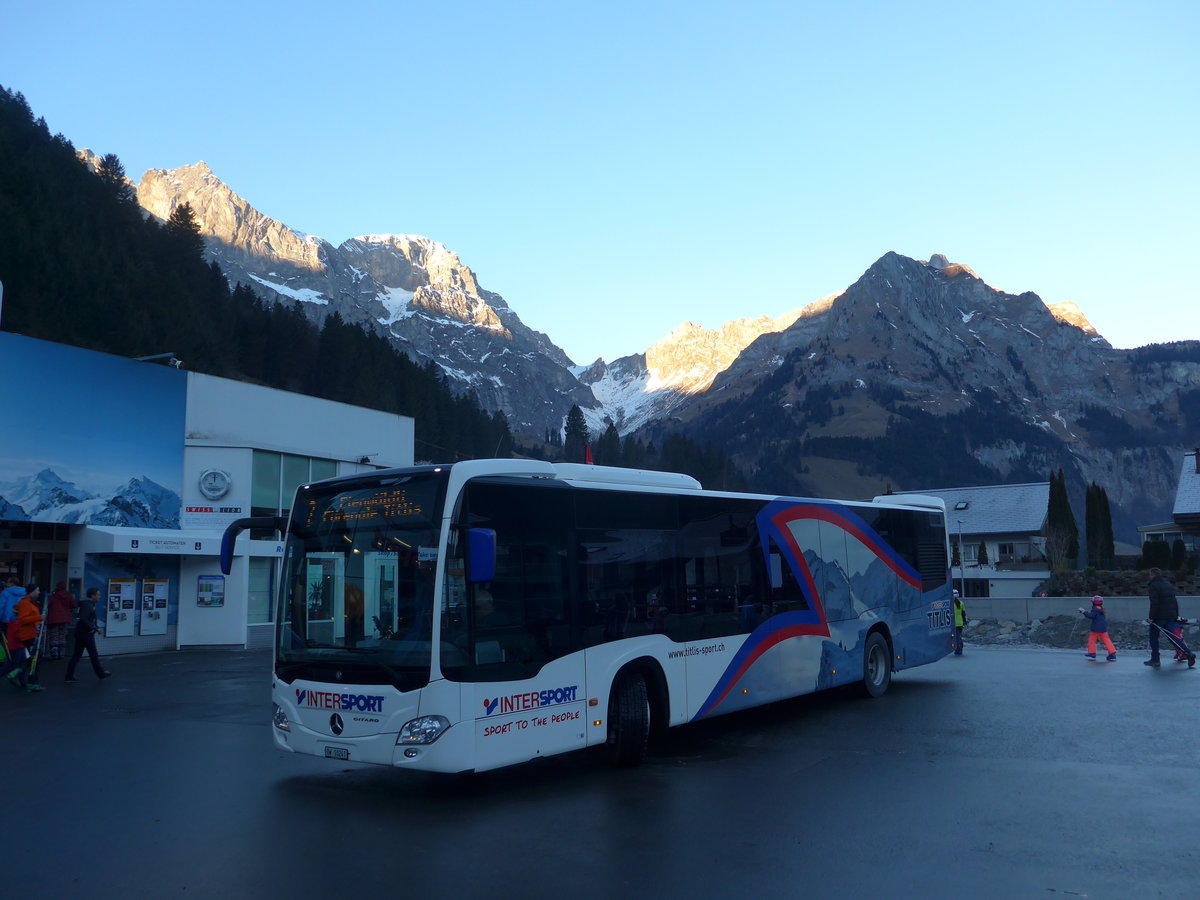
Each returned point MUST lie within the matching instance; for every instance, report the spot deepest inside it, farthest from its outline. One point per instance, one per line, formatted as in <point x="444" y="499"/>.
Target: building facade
<point x="997" y="537"/>
<point x="131" y="484"/>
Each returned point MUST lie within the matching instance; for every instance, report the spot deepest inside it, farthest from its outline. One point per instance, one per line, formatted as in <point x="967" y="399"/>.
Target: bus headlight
<point x="279" y="718"/>
<point x="423" y="730"/>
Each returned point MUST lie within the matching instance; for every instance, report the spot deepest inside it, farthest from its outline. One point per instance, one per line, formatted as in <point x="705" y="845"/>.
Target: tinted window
<point x="510" y="627"/>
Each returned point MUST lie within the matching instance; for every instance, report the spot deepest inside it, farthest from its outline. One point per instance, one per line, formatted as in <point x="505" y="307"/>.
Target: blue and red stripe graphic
<point x="774" y="523"/>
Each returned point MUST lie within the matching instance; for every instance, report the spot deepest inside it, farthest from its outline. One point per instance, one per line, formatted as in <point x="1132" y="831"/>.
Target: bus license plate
<point x="337" y="753"/>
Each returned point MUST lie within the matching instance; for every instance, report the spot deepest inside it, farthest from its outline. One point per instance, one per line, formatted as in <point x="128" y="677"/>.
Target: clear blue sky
<point x="613" y="169"/>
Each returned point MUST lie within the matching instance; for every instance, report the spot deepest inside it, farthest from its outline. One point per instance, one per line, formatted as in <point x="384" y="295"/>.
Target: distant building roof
<point x="994" y="508"/>
<point x="1187" y="495"/>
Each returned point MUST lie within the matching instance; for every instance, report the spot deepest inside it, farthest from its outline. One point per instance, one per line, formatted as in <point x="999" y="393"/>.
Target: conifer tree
<point x="184" y="231"/>
<point x="1098" y="525"/>
<point x="576" y="438"/>
<point x="608" y="448"/>
<point x="1062" y="534"/>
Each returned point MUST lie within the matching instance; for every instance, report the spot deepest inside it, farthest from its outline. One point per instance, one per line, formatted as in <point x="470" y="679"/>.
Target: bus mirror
<point x="236" y="527"/>
<point x="481" y="555"/>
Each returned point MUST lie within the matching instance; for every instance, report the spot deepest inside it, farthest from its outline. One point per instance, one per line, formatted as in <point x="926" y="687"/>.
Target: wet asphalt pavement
<point x="1004" y="773"/>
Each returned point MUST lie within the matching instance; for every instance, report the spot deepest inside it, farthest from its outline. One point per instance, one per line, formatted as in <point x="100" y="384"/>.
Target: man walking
<point x="85" y="637"/>
<point x="1164" y="610"/>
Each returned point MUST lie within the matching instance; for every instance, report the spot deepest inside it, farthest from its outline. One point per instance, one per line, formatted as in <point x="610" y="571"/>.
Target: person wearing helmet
<point x="1099" y="630"/>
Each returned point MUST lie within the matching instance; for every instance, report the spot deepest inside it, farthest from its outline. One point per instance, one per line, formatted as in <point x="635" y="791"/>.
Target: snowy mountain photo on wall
<point x="111" y="457"/>
<point x="44" y="497"/>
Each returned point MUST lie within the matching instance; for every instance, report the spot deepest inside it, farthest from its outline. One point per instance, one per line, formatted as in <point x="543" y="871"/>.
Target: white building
<point x="997" y="532"/>
<point x="146" y="464"/>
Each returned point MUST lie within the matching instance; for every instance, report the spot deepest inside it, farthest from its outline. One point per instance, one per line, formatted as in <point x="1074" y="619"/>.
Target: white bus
<point x="470" y="616"/>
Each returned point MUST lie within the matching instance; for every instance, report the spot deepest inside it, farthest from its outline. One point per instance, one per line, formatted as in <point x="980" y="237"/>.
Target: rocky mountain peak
<point x="412" y="289"/>
<point x="1070" y="314"/>
<point x="691" y="356"/>
<point x="232" y="228"/>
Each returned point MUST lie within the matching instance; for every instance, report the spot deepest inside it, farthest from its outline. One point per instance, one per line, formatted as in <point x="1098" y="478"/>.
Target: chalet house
<point x="1185" y="517"/>
<point x="997" y="534"/>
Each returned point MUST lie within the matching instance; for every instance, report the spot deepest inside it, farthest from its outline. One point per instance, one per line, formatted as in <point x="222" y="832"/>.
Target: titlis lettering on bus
<point x="530" y="700"/>
<point x="940" y="614"/>
<point x="348" y="702"/>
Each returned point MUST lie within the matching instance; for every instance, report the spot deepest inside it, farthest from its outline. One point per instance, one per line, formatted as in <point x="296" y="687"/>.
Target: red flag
<point x="587" y="455"/>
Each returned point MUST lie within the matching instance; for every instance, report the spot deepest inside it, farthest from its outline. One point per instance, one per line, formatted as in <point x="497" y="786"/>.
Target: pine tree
<point x="1098" y="524"/>
<point x="576" y="439"/>
<point x="608" y="448"/>
<point x="184" y="232"/>
<point x="112" y="176"/>
<point x="1062" y="534"/>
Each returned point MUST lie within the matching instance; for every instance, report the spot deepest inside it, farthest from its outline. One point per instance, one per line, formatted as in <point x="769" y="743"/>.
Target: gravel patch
<point x="1068" y="633"/>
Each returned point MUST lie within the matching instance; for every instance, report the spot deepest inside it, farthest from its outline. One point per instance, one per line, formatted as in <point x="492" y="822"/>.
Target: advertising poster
<point x="154" y="606"/>
<point x="211" y="590"/>
<point x="129" y="475"/>
<point x="119" y="607"/>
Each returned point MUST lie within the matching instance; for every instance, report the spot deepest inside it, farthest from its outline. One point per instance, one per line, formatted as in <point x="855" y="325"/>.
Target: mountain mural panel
<point x="119" y="459"/>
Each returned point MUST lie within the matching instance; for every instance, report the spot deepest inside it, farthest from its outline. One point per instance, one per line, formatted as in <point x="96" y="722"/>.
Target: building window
<point x="275" y="477"/>
<point x="260" y="590"/>
<point x="264" y="483"/>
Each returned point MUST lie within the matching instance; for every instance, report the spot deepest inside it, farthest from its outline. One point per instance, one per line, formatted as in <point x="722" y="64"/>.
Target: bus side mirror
<point x="481" y="555"/>
<point x="236" y="527"/>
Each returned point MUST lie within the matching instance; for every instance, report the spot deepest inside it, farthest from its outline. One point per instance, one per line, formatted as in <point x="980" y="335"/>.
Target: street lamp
<point x="962" y="563"/>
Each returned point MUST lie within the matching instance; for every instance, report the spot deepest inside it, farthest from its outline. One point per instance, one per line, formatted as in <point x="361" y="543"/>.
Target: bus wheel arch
<point x="636" y="707"/>
<point x="877" y="662"/>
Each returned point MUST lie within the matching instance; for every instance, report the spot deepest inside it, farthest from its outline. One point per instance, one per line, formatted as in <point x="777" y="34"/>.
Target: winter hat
<point x="1097" y="600"/>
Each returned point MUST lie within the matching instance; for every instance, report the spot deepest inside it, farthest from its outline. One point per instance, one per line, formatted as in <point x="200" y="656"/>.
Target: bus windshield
<point x="356" y="600"/>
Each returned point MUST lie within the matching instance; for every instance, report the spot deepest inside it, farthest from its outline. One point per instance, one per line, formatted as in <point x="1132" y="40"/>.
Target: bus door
<point x="525" y="677"/>
<point x="325" y="584"/>
<point x="379" y="610"/>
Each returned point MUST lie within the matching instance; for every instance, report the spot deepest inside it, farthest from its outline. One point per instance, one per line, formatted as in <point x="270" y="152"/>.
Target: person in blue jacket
<point x="9" y="598"/>
<point x="1099" y="630"/>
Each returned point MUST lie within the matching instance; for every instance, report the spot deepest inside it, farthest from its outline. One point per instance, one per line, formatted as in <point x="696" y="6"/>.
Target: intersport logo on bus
<point x="330" y="700"/>
<point x="531" y="700"/>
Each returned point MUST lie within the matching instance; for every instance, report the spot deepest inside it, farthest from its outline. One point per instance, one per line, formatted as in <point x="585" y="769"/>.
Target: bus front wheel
<point x="877" y="665"/>
<point x="628" y="720"/>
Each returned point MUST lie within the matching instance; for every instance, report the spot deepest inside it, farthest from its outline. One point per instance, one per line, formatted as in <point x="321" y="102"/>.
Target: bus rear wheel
<point x="877" y="665"/>
<point x="628" y="720"/>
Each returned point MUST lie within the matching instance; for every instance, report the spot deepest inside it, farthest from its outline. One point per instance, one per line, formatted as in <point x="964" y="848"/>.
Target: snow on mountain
<point x="412" y="289"/>
<point x="43" y="491"/>
<point x="141" y="502"/>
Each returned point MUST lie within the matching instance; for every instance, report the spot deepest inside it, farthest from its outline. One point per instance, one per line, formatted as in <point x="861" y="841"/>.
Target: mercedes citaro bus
<point x="463" y="617"/>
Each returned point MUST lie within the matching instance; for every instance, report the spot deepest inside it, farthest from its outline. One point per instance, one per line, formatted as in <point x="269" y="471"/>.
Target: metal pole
<point x="962" y="564"/>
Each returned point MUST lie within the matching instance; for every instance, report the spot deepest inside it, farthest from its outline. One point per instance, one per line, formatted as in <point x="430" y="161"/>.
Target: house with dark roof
<point x="1185" y="516"/>
<point x="997" y="533"/>
<point x="1187" y="496"/>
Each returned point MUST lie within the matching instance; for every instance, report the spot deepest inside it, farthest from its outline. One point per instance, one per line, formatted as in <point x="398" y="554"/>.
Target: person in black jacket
<point x="85" y="637"/>
<point x="1164" y="610"/>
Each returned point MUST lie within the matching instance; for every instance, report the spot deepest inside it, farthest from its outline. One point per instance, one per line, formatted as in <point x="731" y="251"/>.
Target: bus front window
<point x="358" y="581"/>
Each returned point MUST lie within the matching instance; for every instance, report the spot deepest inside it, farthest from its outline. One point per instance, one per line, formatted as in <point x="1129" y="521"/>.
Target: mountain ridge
<point x="909" y="338"/>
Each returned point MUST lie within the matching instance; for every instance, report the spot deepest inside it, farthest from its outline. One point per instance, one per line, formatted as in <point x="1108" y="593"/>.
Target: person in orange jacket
<point x="22" y="635"/>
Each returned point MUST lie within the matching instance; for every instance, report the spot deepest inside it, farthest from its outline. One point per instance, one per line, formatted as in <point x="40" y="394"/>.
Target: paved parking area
<point x="1004" y="773"/>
